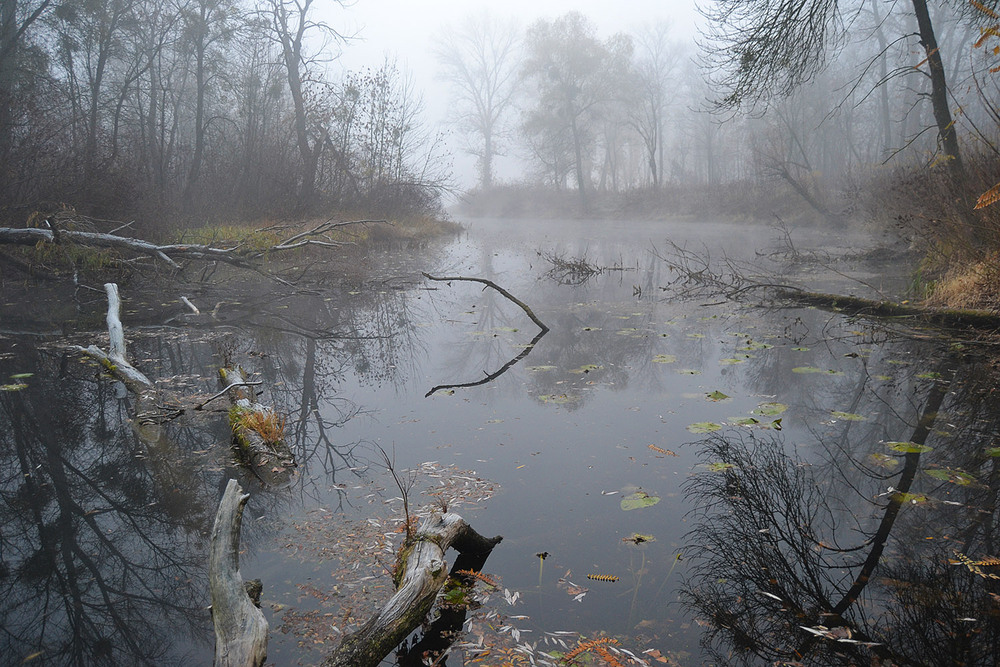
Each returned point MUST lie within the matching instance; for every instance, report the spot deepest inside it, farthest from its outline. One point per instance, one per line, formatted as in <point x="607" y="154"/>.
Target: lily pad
<point x="719" y="466"/>
<point x="959" y="477"/>
<point x="716" y="396"/>
<point x="558" y="399"/>
<point x="883" y="461"/>
<point x="908" y="447"/>
<point x="909" y="498"/>
<point x="586" y="368"/>
<point x="21" y="376"/>
<point x="638" y="500"/>
<point x="848" y="416"/>
<point x="770" y="409"/>
<point x="688" y="371"/>
<point x="932" y="375"/>
<point x="13" y="387"/>
<point x="696" y="335"/>
<point x="883" y="378"/>
<point x="804" y="370"/>
<point x="638" y="538"/>
<point x="703" y="427"/>
<point x="800" y="349"/>
<point x="992" y="451"/>
<point x="664" y="359"/>
<point x="743" y="421"/>
<point x="732" y="361"/>
<point x="541" y="369"/>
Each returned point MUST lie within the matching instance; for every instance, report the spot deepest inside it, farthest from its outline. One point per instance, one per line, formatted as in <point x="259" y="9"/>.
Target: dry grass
<point x="268" y="424"/>
<point x="973" y="286"/>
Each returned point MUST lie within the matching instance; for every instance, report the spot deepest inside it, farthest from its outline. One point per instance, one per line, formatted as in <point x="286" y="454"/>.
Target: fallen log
<point x="114" y="361"/>
<point x="421" y="572"/>
<point x="954" y="318"/>
<point x="258" y="431"/>
<point x="240" y="627"/>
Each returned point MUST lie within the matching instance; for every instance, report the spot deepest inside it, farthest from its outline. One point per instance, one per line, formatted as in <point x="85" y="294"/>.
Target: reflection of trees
<point x="774" y="552"/>
<point x="95" y="568"/>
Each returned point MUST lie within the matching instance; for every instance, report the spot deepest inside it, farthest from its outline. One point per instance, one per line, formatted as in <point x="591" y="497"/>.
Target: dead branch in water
<point x="424" y="573"/>
<point x="575" y="270"/>
<point x="489" y="283"/>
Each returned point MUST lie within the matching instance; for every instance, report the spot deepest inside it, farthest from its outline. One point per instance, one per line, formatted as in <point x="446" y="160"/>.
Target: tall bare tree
<point x="479" y="59"/>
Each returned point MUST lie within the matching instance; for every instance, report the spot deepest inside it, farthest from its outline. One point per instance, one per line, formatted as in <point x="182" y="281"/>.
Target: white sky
<point x="407" y="29"/>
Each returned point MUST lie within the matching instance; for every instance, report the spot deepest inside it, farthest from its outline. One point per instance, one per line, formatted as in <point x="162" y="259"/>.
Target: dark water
<point x="796" y="513"/>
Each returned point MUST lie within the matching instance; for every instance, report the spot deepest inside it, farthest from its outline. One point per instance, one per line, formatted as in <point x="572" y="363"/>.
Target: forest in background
<point x="812" y="110"/>
<point x="207" y="110"/>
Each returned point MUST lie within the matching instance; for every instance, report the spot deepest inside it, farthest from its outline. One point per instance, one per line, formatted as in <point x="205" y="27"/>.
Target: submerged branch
<point x="853" y="305"/>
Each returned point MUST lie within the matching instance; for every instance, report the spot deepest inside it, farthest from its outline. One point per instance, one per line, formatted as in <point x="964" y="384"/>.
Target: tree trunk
<point x="939" y="96"/>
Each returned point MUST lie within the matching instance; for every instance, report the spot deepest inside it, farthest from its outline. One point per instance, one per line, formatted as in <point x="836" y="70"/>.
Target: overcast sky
<point x="407" y="30"/>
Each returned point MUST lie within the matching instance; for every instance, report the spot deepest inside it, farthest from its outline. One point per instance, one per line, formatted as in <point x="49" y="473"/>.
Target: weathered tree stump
<point x="240" y="627"/>
<point x="421" y="574"/>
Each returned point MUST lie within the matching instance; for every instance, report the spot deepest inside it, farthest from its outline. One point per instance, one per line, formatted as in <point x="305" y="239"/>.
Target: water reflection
<point x="845" y="550"/>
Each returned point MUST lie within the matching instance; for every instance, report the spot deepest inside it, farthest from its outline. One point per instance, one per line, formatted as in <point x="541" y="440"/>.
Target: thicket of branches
<point x="207" y="108"/>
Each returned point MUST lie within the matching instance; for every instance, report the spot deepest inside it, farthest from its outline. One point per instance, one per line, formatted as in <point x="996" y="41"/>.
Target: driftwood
<point x="489" y="283"/>
<point x="114" y="360"/>
<point x="258" y="431"/>
<point x="240" y="627"/>
<point x="421" y="573"/>
<point x="853" y="305"/>
<point x="170" y="253"/>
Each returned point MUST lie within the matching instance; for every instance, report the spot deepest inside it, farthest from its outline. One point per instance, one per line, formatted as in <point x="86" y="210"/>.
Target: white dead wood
<point x="240" y="627"/>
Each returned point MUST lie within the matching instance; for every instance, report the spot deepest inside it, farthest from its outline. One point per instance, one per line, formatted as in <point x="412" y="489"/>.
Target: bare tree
<point x="479" y="59"/>
<point x="655" y="63"/>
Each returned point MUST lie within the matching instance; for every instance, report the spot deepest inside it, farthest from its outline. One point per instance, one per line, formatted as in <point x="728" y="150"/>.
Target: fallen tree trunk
<point x="240" y="627"/>
<point x="258" y="431"/>
<point x="853" y="305"/>
<point x="114" y="360"/>
<point x="421" y="574"/>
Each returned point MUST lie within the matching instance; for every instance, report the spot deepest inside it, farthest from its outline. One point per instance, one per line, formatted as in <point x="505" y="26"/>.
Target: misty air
<point x="389" y="333"/>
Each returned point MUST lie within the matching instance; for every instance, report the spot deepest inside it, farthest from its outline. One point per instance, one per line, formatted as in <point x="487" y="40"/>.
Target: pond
<point x="699" y="479"/>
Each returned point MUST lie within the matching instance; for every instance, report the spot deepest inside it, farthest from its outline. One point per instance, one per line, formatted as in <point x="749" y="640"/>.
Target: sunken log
<point x="258" y="431"/>
<point x="421" y="572"/>
<point x="240" y="626"/>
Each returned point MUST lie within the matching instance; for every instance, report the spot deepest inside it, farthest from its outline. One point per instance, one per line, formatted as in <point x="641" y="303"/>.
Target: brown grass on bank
<point x="969" y="286"/>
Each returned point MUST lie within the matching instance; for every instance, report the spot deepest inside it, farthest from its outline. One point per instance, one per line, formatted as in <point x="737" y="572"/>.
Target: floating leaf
<point x="883" y="460"/>
<point x="770" y="409"/>
<point x="732" y="361"/>
<point x="558" y="399"/>
<point x="688" y="371"/>
<point x="958" y="477"/>
<point x="703" y="427"/>
<point x="696" y="335"/>
<point x="638" y="538"/>
<point x="932" y="375"/>
<point x="911" y="498"/>
<point x="716" y="396"/>
<point x="586" y="368"/>
<point x="800" y="349"/>
<point x="664" y="359"/>
<point x="883" y="378"/>
<point x="813" y="369"/>
<point x="638" y="500"/>
<point x="898" y="362"/>
<point x="542" y="369"/>
<point x="848" y="416"/>
<point x="506" y="329"/>
<point x="754" y="345"/>
<point x="992" y="451"/>
<point x="744" y="421"/>
<point x="21" y="376"/>
<point x="908" y="447"/>
<point x="719" y="466"/>
<point x="13" y="387"/>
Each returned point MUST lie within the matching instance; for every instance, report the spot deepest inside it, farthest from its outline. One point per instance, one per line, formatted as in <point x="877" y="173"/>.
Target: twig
<point x="223" y="392"/>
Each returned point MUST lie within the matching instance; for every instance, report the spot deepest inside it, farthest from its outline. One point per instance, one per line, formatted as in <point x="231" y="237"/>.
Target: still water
<point x="746" y="483"/>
